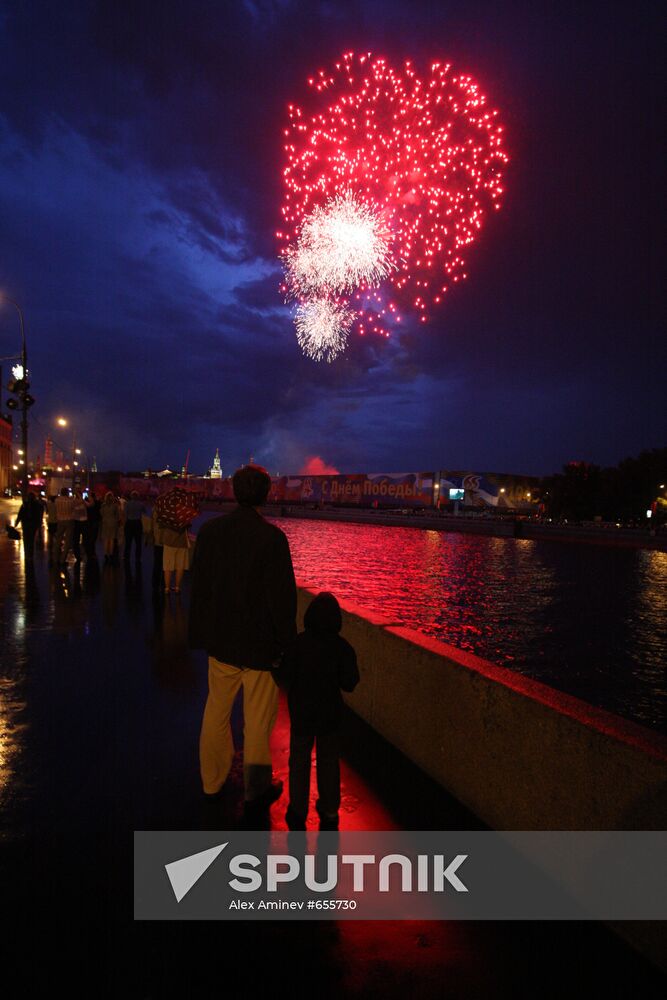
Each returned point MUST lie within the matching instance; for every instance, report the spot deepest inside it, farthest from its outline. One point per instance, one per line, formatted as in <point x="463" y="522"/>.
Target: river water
<point x="586" y="619"/>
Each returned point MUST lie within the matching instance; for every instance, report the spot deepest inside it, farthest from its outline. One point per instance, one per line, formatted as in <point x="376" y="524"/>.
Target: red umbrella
<point x="176" y="509"/>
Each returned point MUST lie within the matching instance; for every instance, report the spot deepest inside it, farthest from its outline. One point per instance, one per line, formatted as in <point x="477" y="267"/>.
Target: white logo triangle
<point x="186" y="871"/>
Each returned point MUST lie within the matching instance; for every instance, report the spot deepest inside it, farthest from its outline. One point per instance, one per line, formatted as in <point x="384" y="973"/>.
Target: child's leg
<point x="300" y="752"/>
<point x="328" y="773"/>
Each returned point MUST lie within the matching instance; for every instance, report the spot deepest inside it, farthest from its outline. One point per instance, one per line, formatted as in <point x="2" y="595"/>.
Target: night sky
<point x="140" y="188"/>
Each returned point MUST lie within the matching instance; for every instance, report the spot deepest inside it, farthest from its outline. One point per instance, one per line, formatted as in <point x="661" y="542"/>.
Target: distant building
<point x="48" y="453"/>
<point x="215" y="471"/>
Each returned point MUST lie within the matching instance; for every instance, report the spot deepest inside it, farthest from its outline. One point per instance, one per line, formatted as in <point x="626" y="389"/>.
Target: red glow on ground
<point x="360" y="808"/>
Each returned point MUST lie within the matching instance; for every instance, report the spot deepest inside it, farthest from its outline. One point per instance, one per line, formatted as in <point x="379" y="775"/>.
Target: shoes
<point x="215" y="796"/>
<point x="328" y="821"/>
<point x="267" y="797"/>
<point x="294" y="821"/>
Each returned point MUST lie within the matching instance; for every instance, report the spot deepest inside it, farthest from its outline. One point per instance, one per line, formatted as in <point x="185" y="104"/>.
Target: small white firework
<point x="341" y="247"/>
<point x="322" y="327"/>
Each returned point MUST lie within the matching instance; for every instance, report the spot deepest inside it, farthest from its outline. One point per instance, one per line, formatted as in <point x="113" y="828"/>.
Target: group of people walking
<point x="76" y="519"/>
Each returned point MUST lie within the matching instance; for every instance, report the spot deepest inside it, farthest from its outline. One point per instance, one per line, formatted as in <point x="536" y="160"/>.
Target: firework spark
<point x="322" y="328"/>
<point x="424" y="153"/>
<point x="342" y="246"/>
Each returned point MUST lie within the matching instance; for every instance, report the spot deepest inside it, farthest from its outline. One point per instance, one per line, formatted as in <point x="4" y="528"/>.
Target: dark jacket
<point x="243" y="592"/>
<point x="30" y="513"/>
<point x="316" y="667"/>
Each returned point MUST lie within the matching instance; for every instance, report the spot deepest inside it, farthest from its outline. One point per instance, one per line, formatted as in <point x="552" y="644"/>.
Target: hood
<point x="323" y="614"/>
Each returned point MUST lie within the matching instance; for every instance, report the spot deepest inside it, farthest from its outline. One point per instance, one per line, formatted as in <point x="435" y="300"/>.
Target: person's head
<point x="323" y="614"/>
<point x="64" y="491"/>
<point x="134" y="495"/>
<point x="251" y="485"/>
<point x="108" y="497"/>
<point x="52" y="498"/>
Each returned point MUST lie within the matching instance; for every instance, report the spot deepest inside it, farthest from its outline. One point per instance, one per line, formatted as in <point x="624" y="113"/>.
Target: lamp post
<point x="78" y="460"/>
<point x="63" y="422"/>
<point x="24" y="401"/>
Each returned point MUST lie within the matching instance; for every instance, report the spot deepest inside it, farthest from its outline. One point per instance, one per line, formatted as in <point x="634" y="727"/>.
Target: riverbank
<point x="633" y="538"/>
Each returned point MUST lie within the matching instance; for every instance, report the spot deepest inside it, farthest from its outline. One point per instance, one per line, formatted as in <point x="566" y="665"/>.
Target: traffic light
<point x="20" y="398"/>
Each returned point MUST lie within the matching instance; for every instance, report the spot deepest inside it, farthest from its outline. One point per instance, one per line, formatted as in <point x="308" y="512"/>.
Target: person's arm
<point x="19" y="516"/>
<point x="281" y="591"/>
<point x="285" y="671"/>
<point x="348" y="671"/>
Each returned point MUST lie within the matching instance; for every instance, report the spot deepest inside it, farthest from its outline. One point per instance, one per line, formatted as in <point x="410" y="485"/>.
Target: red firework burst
<point x="427" y="153"/>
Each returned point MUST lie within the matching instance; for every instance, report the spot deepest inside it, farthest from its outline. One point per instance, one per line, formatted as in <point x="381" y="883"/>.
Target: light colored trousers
<point x="216" y="746"/>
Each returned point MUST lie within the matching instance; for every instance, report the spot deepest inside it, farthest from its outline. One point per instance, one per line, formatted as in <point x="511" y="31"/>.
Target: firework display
<point x="322" y="327"/>
<point x="390" y="176"/>
<point x="341" y="247"/>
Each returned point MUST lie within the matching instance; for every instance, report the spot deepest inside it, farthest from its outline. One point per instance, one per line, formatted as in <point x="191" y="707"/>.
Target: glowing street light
<point x="25" y="400"/>
<point x="65" y="422"/>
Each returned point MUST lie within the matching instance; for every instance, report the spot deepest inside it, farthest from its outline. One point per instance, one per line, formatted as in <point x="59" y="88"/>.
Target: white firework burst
<point x="322" y="327"/>
<point x="342" y="246"/>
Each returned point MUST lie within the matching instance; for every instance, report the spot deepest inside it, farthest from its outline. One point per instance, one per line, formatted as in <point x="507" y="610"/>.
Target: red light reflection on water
<point x="588" y="620"/>
<point x="452" y="587"/>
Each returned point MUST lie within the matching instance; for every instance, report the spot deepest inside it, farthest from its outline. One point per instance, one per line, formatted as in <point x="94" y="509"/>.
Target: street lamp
<point x="64" y="422"/>
<point x="25" y="399"/>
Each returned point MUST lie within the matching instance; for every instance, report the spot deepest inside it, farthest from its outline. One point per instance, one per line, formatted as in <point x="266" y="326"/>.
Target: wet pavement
<point x="100" y="707"/>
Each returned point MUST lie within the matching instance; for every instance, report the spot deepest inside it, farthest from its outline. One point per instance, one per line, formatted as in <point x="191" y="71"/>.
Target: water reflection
<point x="586" y="619"/>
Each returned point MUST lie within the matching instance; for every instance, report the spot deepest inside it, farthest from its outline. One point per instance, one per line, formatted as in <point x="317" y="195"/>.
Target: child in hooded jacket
<point x="314" y="670"/>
